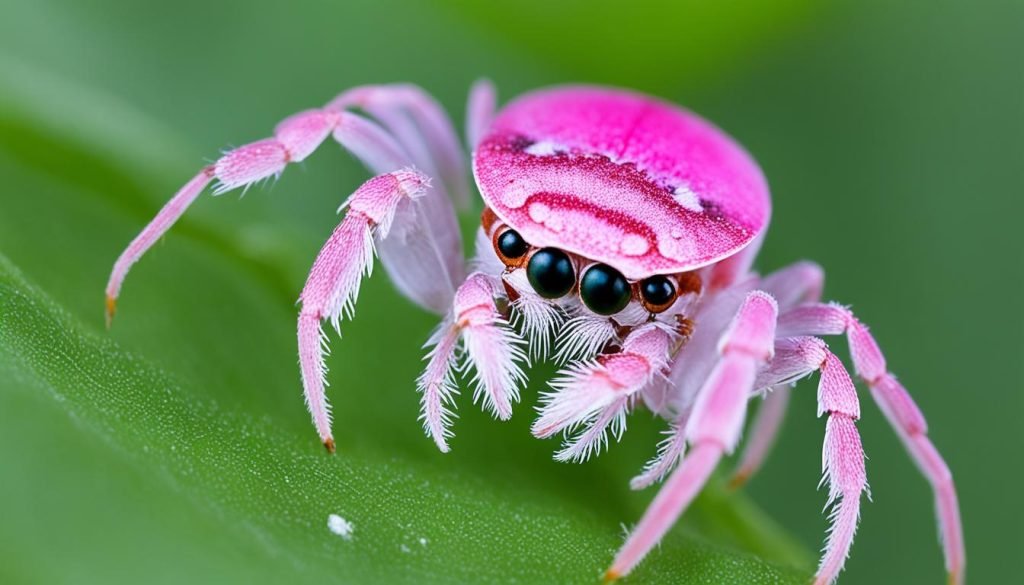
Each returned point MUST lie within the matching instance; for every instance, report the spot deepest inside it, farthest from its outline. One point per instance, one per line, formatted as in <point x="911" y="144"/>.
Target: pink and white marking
<point x="617" y="237"/>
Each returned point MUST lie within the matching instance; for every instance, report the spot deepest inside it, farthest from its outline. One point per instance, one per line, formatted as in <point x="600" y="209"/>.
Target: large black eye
<point x="604" y="290"/>
<point x="512" y="245"/>
<point x="658" y="292"/>
<point x="550" y="273"/>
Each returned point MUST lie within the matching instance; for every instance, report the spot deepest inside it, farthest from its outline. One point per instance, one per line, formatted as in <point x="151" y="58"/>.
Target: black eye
<point x="604" y="290"/>
<point x="512" y="245"/>
<point x="550" y="273"/>
<point x="658" y="292"/>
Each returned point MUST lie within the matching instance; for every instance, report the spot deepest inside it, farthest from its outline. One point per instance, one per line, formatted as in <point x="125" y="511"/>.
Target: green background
<point x="176" y="447"/>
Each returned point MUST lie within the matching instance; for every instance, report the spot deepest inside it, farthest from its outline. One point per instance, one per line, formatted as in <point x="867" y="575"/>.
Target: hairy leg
<point x="842" y="454"/>
<point x="294" y="139"/>
<point x="427" y="132"/>
<point x="492" y="348"/>
<point x="423" y="253"/>
<point x="714" y="426"/>
<point x="687" y="375"/>
<point x="333" y="284"/>
<point x="591" y="396"/>
<point x="899" y="409"/>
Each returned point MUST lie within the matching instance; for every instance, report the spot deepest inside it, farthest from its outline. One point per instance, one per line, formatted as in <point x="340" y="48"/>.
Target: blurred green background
<point x="176" y="448"/>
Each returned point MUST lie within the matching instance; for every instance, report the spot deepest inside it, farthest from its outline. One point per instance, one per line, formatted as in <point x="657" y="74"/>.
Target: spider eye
<point x="658" y="293"/>
<point x="512" y="245"/>
<point x="604" y="290"/>
<point x="550" y="273"/>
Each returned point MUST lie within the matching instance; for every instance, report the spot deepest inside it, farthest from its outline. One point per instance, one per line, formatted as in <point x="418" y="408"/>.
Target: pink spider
<point x="617" y="238"/>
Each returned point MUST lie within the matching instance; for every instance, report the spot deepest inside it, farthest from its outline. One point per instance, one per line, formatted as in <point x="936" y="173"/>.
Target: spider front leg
<point x="333" y="283"/>
<point x="294" y="139"/>
<point x="597" y="394"/>
<point x="714" y="426"/>
<point x="423" y="253"/>
<point x="416" y="132"/>
<point x="899" y="409"/>
<point x="491" y="347"/>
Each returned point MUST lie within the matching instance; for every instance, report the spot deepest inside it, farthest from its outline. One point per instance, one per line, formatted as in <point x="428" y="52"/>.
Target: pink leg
<point x="333" y="283"/>
<point x="156" y="228"/>
<point x="714" y="427"/>
<point x="479" y="111"/>
<point x="425" y="137"/>
<point x="797" y="283"/>
<point x="437" y="385"/>
<point x="900" y="410"/>
<point x="492" y="347"/>
<point x="842" y="455"/>
<point x="427" y="273"/>
<point x="419" y="133"/>
<point x="842" y="463"/>
<point x="763" y="432"/>
<point x="670" y="450"/>
<point x="420" y="124"/>
<point x="597" y="394"/>
<point x="294" y="139"/>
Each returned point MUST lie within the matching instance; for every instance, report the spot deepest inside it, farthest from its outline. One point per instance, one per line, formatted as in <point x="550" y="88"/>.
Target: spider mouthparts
<point x="610" y="576"/>
<point x="329" y="444"/>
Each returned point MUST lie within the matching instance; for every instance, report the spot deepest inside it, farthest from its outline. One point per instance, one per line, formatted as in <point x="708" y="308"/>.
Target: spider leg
<point x="418" y="133"/>
<point x="294" y="139"/>
<point x="764" y="430"/>
<point x="479" y="111"/>
<point x="899" y="409"/>
<point x="333" y="283"/>
<point x="714" y="426"/>
<point x="593" y="395"/>
<point x="420" y="125"/>
<point x="491" y="347"/>
<point x="670" y="450"/>
<point x="687" y="375"/>
<point x="416" y="237"/>
<point x="800" y="282"/>
<point x="842" y="453"/>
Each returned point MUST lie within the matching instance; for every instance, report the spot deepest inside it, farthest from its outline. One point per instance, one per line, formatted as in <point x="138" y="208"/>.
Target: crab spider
<point x="617" y="238"/>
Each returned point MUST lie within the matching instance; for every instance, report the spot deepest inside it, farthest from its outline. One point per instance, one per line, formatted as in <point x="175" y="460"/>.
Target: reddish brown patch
<point x="689" y="283"/>
<point x="513" y="294"/>
<point x="488" y="219"/>
<point x="684" y="326"/>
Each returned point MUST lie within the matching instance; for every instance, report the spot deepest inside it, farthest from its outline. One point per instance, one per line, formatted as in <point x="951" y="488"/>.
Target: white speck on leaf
<point x="340" y="526"/>
<point x="423" y="541"/>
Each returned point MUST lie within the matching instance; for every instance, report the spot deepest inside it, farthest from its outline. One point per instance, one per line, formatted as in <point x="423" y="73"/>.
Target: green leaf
<point x="176" y="447"/>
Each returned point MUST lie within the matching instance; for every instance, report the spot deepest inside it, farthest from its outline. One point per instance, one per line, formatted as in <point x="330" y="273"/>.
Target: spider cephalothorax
<point x="617" y="238"/>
